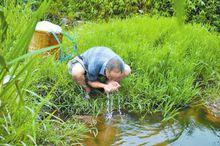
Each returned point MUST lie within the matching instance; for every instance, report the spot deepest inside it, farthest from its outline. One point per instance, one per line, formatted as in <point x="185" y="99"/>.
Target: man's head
<point x="114" y="68"/>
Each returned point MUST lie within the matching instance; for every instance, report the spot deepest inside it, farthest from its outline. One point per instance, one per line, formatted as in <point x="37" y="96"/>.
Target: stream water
<point x="192" y="127"/>
<point x="109" y="106"/>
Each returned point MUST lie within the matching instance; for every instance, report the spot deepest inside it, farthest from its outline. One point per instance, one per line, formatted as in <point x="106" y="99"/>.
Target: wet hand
<point x="107" y="88"/>
<point x="114" y="84"/>
<point x="111" y="86"/>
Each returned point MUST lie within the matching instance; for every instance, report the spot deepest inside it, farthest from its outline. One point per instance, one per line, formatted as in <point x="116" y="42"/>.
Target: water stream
<point x="119" y="106"/>
<point x="110" y="106"/>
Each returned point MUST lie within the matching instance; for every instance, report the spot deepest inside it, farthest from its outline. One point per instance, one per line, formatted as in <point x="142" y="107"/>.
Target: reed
<point x="21" y="120"/>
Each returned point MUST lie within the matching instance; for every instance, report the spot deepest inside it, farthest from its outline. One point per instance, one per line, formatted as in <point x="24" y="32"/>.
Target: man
<point x="98" y="67"/>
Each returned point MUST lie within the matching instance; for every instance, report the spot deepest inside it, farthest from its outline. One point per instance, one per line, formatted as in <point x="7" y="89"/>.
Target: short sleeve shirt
<point x="95" y="60"/>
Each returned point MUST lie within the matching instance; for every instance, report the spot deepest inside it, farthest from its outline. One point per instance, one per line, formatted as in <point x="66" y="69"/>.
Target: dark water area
<point x="192" y="127"/>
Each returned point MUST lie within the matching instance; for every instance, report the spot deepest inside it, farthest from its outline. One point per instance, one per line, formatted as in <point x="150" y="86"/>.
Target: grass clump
<point x="67" y="97"/>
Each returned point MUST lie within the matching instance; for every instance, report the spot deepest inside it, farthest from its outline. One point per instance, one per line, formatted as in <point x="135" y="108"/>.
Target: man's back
<point x="95" y="60"/>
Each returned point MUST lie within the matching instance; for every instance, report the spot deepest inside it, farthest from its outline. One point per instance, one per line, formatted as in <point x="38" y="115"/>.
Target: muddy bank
<point x="213" y="109"/>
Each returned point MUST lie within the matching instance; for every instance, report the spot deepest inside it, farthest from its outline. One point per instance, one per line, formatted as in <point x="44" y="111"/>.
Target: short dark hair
<point x="115" y="63"/>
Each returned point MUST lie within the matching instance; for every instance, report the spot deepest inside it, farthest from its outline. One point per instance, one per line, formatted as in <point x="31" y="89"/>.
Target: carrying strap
<point x="64" y="57"/>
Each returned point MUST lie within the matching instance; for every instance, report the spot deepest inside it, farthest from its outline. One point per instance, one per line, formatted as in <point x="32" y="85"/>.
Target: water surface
<point x="192" y="127"/>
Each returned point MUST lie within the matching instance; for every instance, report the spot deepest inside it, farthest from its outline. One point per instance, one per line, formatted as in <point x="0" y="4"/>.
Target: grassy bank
<point x="172" y="66"/>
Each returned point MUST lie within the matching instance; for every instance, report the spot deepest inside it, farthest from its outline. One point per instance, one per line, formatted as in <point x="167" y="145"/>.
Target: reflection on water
<point x="191" y="128"/>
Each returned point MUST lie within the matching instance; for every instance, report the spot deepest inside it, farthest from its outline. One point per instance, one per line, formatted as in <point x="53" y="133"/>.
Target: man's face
<point x="113" y="75"/>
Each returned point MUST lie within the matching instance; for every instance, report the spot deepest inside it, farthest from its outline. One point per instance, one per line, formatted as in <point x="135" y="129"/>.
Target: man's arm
<point x="96" y="84"/>
<point x="106" y="87"/>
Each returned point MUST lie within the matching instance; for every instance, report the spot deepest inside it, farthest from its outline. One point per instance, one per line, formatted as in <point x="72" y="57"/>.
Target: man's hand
<point x="114" y="84"/>
<point x="107" y="88"/>
<point x="111" y="86"/>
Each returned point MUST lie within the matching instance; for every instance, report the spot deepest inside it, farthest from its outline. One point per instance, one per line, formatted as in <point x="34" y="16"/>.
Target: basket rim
<point x="41" y="31"/>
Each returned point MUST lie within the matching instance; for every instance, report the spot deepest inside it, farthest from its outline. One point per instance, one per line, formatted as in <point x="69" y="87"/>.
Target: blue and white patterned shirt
<point x="95" y="60"/>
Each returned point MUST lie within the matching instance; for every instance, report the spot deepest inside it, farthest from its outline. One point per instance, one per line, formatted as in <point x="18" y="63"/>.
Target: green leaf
<point x="2" y="61"/>
<point x="36" y="52"/>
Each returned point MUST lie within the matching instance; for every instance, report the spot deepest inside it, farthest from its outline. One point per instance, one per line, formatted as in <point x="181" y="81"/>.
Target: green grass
<point x="67" y="96"/>
<point x="22" y="122"/>
<point x="172" y="66"/>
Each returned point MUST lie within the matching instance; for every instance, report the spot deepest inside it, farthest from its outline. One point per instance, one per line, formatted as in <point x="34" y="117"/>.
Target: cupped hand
<point x="114" y="84"/>
<point x="107" y="88"/>
<point x="111" y="86"/>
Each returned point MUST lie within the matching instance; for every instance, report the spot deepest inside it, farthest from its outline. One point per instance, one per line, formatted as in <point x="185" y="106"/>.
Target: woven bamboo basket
<point x="42" y="39"/>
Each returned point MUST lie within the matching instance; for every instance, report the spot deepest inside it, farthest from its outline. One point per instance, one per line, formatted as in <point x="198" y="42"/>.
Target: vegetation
<point x="198" y="11"/>
<point x="21" y="120"/>
<point x="173" y="65"/>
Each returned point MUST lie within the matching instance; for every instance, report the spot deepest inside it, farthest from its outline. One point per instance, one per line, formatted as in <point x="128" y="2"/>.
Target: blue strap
<point x="75" y="49"/>
<point x="64" y="57"/>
